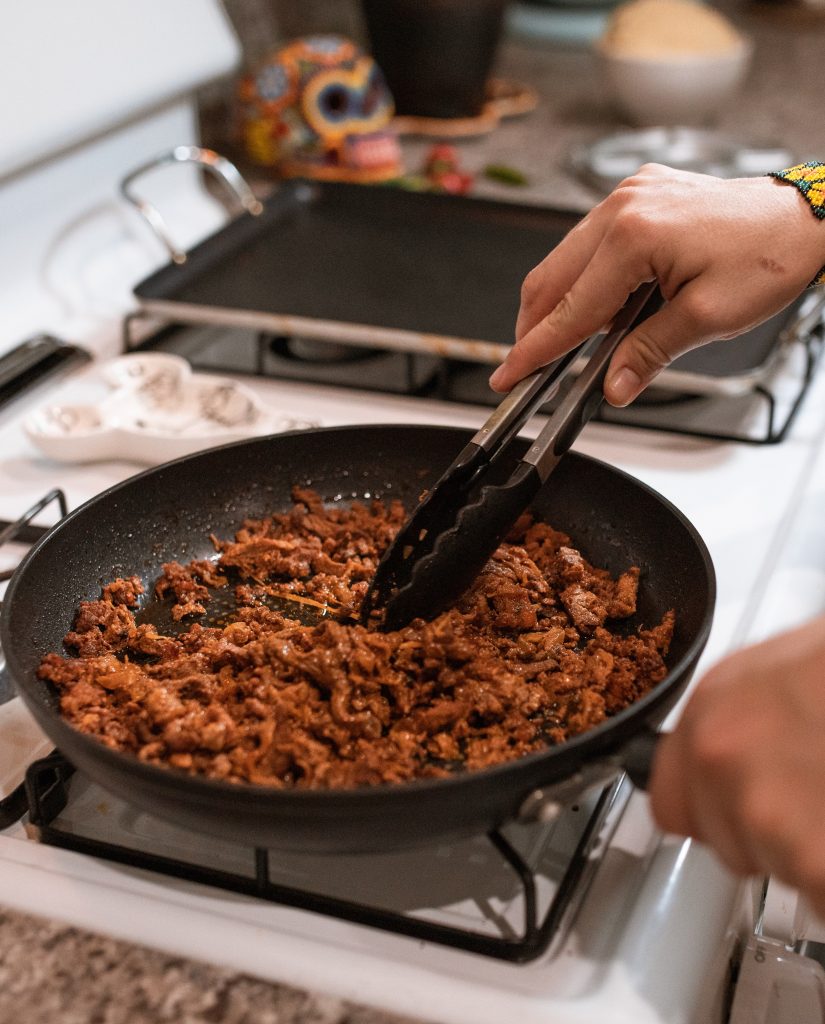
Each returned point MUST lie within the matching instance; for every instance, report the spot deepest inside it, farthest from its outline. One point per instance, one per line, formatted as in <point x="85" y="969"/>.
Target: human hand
<point x="727" y="255"/>
<point x="744" y="769"/>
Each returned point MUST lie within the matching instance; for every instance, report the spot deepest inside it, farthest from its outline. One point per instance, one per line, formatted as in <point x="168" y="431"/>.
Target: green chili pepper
<point x="506" y="175"/>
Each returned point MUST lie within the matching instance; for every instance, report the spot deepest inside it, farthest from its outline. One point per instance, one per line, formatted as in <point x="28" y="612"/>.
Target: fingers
<point x="578" y="288"/>
<point x="685" y="322"/>
<point x="648" y="349"/>
<point x="744" y="769"/>
<point x="684" y="803"/>
<point x="668" y="792"/>
<point x="642" y="355"/>
<point x="545" y="285"/>
<point x="592" y="300"/>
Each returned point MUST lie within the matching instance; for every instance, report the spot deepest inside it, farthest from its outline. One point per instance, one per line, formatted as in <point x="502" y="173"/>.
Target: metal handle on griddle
<point x="224" y="170"/>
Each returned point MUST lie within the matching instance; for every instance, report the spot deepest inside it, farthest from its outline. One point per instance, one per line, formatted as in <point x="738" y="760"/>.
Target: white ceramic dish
<point x="682" y="89"/>
<point x="605" y="162"/>
<point x="157" y="410"/>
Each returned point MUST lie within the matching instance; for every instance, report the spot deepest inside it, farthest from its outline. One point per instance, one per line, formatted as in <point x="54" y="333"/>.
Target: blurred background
<point x="594" y="87"/>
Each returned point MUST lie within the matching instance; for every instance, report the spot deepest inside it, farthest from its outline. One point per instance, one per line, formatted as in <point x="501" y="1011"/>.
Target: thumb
<point x="647" y="350"/>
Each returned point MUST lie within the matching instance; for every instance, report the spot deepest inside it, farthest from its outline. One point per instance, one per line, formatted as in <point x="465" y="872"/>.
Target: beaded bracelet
<point x="809" y="178"/>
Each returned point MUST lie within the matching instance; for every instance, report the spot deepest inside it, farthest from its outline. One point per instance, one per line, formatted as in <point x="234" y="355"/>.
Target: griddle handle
<point x="637" y="757"/>
<point x="221" y="168"/>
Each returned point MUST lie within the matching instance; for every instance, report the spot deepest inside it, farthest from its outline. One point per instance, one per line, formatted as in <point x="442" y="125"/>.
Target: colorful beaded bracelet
<point x="809" y="178"/>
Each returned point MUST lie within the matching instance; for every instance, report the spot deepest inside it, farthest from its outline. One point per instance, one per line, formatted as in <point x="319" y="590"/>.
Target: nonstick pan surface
<point x="167" y="513"/>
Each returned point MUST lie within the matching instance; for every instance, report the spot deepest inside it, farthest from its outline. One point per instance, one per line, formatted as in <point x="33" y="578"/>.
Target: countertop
<point x="778" y="106"/>
<point x="50" y="972"/>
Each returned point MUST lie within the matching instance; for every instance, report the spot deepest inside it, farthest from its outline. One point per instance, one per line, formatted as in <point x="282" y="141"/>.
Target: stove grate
<point x="13" y="806"/>
<point x="47" y="795"/>
<point x="22" y="529"/>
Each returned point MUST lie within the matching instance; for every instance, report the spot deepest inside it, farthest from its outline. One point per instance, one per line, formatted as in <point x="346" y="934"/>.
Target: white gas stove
<point x="633" y="926"/>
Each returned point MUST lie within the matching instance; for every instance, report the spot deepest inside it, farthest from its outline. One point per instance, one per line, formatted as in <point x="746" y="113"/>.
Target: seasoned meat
<point x="190" y="585"/>
<point x="525" y="659"/>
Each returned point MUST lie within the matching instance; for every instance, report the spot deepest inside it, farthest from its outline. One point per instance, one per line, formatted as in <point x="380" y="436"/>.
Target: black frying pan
<point x="168" y="513"/>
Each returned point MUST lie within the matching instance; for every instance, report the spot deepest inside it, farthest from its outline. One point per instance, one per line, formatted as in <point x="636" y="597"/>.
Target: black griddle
<point x="352" y="262"/>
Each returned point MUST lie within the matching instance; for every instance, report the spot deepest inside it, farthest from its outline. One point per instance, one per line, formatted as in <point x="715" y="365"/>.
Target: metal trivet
<point x="219" y="349"/>
<point x="47" y="791"/>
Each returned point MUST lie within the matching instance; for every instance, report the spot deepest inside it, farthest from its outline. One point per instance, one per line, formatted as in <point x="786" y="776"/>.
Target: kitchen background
<point x="547" y="46"/>
<point x="52" y="972"/>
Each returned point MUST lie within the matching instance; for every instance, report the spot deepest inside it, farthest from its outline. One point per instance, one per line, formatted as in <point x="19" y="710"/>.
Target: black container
<point x="435" y="54"/>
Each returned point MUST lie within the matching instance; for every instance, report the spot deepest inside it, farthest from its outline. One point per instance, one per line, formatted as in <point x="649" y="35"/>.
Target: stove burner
<point x="309" y="350"/>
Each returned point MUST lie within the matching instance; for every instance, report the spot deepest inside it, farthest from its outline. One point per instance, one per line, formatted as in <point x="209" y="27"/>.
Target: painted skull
<point x="320" y="108"/>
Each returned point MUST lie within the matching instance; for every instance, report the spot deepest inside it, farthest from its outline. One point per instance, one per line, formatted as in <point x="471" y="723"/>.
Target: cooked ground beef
<point x="524" y="660"/>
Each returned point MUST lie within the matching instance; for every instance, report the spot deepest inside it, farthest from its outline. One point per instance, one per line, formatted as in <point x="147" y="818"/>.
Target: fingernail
<point x="623" y="386"/>
<point x="497" y="377"/>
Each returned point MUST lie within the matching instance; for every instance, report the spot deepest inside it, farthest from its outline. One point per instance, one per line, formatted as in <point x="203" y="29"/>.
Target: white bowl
<point x="689" y="89"/>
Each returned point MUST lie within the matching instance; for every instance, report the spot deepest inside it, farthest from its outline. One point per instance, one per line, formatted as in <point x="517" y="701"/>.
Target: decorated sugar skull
<point x="320" y="108"/>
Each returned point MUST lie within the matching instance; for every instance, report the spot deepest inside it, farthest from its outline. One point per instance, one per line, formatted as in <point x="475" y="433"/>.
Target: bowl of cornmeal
<point x="671" y="62"/>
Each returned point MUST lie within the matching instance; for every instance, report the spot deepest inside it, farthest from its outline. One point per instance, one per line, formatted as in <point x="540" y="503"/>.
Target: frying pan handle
<point x="637" y="756"/>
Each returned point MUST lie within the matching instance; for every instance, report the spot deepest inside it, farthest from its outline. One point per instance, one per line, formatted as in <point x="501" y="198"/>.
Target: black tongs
<point x="460" y="522"/>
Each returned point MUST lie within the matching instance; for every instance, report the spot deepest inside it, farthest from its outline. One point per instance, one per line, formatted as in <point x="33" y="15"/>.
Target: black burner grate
<point x="14" y="805"/>
<point x="48" y="783"/>
<point x="22" y="529"/>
